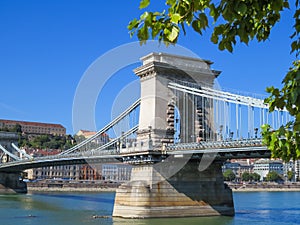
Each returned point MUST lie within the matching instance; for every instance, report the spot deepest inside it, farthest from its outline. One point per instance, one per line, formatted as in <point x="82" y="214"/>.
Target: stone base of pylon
<point x="11" y="183"/>
<point x="188" y="193"/>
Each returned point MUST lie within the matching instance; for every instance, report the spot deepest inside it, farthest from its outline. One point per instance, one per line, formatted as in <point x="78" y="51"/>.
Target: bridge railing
<point x="215" y="144"/>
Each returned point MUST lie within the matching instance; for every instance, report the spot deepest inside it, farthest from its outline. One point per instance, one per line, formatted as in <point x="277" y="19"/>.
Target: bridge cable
<point x="104" y="129"/>
<point x="21" y="152"/>
<point x="9" y="153"/>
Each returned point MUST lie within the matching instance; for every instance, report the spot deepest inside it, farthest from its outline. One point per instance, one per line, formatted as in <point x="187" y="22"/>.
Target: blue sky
<point x="46" y="47"/>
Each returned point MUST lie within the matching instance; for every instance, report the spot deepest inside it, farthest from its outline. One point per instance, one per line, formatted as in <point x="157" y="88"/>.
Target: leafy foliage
<point x="285" y="142"/>
<point x="290" y="175"/>
<point x="273" y="176"/>
<point x="246" y="176"/>
<point x="234" y="21"/>
<point x="246" y="20"/>
<point x="229" y="175"/>
<point x="47" y="142"/>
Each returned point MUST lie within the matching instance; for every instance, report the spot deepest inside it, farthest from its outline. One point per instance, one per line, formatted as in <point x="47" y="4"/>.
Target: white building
<point x="263" y="167"/>
<point x="297" y="170"/>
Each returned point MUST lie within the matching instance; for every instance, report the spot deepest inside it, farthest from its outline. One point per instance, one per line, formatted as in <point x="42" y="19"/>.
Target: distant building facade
<point x="100" y="140"/>
<point x="263" y="167"/>
<point x="297" y="170"/>
<point x="90" y="172"/>
<point x="116" y="172"/>
<point x="109" y="172"/>
<point x="34" y="127"/>
<point x="238" y="167"/>
<point x="69" y="172"/>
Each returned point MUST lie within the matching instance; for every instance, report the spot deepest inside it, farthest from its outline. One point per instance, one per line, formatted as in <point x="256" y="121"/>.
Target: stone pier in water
<point x="188" y="193"/>
<point x="11" y="183"/>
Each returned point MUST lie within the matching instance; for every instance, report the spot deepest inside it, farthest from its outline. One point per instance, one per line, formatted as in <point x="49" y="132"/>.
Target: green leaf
<point x="243" y="35"/>
<point x="241" y="8"/>
<point x="277" y="5"/>
<point x="144" y="15"/>
<point x="214" y="39"/>
<point x="219" y="30"/>
<point x="196" y="26"/>
<point x="171" y="2"/>
<point x="156" y="29"/>
<point x="175" y="18"/>
<point x="133" y="24"/>
<point x="144" y="3"/>
<point x="143" y="34"/>
<point x="221" y="45"/>
<point x="174" y="34"/>
<point x="286" y="5"/>
<point x="228" y="46"/>
<point x="204" y="20"/>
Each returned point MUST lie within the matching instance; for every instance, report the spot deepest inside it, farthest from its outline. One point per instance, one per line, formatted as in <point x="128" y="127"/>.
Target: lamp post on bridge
<point x="220" y="133"/>
<point x="231" y="135"/>
<point x="255" y="132"/>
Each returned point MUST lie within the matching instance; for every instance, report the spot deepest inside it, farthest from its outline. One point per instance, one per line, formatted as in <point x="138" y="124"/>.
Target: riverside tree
<point x="232" y="22"/>
<point x="246" y="176"/>
<point x="273" y="176"/>
<point x="229" y="175"/>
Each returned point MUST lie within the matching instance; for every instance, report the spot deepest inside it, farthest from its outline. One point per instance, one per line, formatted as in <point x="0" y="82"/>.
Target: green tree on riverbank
<point x="273" y="176"/>
<point x="229" y="175"/>
<point x="246" y="176"/>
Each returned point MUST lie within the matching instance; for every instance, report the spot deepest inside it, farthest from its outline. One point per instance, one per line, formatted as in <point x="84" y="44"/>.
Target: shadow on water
<point x="89" y="198"/>
<point x="25" y="202"/>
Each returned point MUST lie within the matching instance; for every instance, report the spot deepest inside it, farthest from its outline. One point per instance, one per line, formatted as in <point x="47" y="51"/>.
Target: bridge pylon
<point x="172" y="186"/>
<point x="10" y="181"/>
<point x="159" y="103"/>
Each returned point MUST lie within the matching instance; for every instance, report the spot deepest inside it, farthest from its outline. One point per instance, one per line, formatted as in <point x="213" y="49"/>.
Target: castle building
<point x="34" y="127"/>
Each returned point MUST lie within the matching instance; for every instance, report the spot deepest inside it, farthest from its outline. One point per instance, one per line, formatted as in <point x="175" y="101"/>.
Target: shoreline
<point x="66" y="189"/>
<point x="69" y="189"/>
<point x="65" y="186"/>
<point x="38" y="188"/>
<point x="265" y="187"/>
<point x="265" y="190"/>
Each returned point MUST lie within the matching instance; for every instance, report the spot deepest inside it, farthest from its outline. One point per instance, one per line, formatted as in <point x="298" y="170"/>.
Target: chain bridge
<point x="176" y="136"/>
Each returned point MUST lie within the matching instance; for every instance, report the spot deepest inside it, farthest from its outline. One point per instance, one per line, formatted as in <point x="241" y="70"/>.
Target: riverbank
<point x="259" y="187"/>
<point x="68" y="189"/>
<point x="108" y="186"/>
<point x="71" y="186"/>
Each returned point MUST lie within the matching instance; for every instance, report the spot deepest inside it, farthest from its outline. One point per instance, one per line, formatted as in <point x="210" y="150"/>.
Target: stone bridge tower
<point x="158" y="102"/>
<point x="172" y="186"/>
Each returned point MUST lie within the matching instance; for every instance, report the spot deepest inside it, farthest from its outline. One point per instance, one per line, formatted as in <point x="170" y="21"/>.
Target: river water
<point x="265" y="208"/>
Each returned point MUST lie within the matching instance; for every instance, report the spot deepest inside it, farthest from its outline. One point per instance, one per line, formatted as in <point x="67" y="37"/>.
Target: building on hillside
<point x="86" y="133"/>
<point x="263" y="167"/>
<point x="100" y="140"/>
<point x="35" y="128"/>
